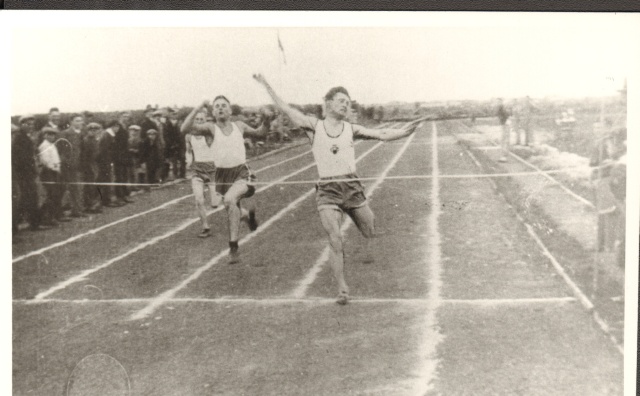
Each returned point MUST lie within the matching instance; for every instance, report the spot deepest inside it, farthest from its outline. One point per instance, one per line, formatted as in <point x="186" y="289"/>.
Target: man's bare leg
<point x="198" y="191"/>
<point x="331" y="219"/>
<point x="364" y="219"/>
<point x="214" y="197"/>
<point x="234" y="213"/>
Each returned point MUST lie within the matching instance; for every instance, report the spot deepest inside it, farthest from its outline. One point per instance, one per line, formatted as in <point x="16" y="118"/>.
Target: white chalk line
<point x="306" y="300"/>
<point x="83" y="275"/>
<point x="426" y="372"/>
<point x="546" y="175"/>
<point x="301" y="290"/>
<point x="509" y="301"/>
<point x="101" y="228"/>
<point x="584" y="300"/>
<point x="162" y="298"/>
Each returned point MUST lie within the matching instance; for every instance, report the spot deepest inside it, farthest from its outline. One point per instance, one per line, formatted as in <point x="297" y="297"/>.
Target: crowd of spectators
<point x="68" y="170"/>
<point x="75" y="166"/>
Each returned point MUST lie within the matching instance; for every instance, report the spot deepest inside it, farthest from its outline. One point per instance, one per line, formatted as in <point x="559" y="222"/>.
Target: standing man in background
<point x="89" y="165"/>
<point x="50" y="176"/>
<point x="503" y="116"/>
<point x="122" y="159"/>
<point x="527" y="108"/>
<point x="23" y="163"/>
<point x="172" y="138"/>
<point x="69" y="146"/>
<point x="104" y="159"/>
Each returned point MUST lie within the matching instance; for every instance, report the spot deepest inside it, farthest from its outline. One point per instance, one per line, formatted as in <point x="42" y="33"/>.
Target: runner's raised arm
<point x="385" y="134"/>
<point x="188" y="125"/>
<point x="296" y="116"/>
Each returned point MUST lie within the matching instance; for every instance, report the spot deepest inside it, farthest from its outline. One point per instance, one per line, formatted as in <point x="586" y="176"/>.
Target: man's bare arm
<point x="296" y="116"/>
<point x="261" y="131"/>
<point x="385" y="134"/>
<point x="187" y="125"/>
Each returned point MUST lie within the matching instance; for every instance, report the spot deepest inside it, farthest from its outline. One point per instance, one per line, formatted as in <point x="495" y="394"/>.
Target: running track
<point x="460" y="299"/>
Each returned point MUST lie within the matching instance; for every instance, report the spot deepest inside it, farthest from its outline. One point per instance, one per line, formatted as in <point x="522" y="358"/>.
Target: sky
<point x="128" y="67"/>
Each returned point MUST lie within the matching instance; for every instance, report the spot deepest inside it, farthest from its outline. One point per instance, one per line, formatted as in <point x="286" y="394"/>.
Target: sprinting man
<point x="332" y="146"/>
<point x="233" y="178"/>
<point x="200" y="159"/>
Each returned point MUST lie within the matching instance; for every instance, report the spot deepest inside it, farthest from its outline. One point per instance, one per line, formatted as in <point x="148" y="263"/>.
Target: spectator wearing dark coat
<point x="151" y="155"/>
<point x="503" y="116"/>
<point x="23" y="164"/>
<point x="134" y="148"/>
<point x="122" y="159"/>
<point x="104" y="159"/>
<point x="89" y="164"/>
<point x="148" y="123"/>
<point x="69" y="145"/>
<point x="172" y="140"/>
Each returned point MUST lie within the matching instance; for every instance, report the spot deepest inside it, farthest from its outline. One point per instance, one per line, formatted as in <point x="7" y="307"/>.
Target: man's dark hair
<point x="333" y="91"/>
<point x="222" y="97"/>
<point x="51" y="110"/>
<point x="73" y="116"/>
<point x="113" y="123"/>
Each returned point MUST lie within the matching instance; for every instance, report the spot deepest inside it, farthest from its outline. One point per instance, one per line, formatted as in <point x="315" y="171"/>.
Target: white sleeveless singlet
<point x="229" y="151"/>
<point x="201" y="151"/>
<point x="335" y="156"/>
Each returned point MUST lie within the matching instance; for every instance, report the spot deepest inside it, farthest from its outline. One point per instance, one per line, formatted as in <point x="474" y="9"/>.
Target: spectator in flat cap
<point x="23" y="163"/>
<point x="122" y="160"/>
<point x="69" y="145"/>
<point x="151" y="155"/>
<point x="158" y="118"/>
<point x="104" y="160"/>
<point x="148" y="122"/>
<point x="50" y="176"/>
<point x="88" y="161"/>
<point x="133" y="145"/>
<point x="173" y="147"/>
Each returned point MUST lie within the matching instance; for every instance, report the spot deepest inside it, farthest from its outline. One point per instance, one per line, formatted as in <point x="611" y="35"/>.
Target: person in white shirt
<point x="49" y="160"/>
<point x="233" y="178"/>
<point x="332" y="145"/>
<point x="200" y="159"/>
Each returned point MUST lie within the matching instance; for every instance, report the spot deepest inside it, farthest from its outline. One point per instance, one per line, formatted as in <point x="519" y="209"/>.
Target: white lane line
<point x="104" y="227"/>
<point x="427" y="371"/>
<point x="546" y="175"/>
<point x="162" y="298"/>
<point x="584" y="300"/>
<point x="301" y="290"/>
<point x="562" y="186"/>
<point x="586" y="303"/>
<point x="84" y="274"/>
<point x="510" y="301"/>
<point x="307" y="300"/>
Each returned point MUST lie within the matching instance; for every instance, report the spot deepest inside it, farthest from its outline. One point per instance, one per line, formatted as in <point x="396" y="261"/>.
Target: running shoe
<point x="343" y="298"/>
<point x="205" y="233"/>
<point x="253" y="223"/>
<point x="234" y="256"/>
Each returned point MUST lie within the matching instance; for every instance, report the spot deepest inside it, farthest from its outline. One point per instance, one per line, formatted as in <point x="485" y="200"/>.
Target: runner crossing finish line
<point x="233" y="178"/>
<point x="332" y="145"/>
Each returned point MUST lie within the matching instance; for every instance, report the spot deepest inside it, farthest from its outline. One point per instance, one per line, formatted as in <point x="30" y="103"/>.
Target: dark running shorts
<point x="225" y="177"/>
<point x="343" y="195"/>
<point x="205" y="171"/>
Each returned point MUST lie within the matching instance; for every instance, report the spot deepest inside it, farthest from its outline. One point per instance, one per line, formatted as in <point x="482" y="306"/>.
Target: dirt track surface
<point x="459" y="300"/>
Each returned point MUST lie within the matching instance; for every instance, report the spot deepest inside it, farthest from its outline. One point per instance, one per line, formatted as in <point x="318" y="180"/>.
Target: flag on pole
<point x="284" y="58"/>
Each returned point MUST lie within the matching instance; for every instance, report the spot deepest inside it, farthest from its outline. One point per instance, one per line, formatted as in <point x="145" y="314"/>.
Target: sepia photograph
<point x="321" y="203"/>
